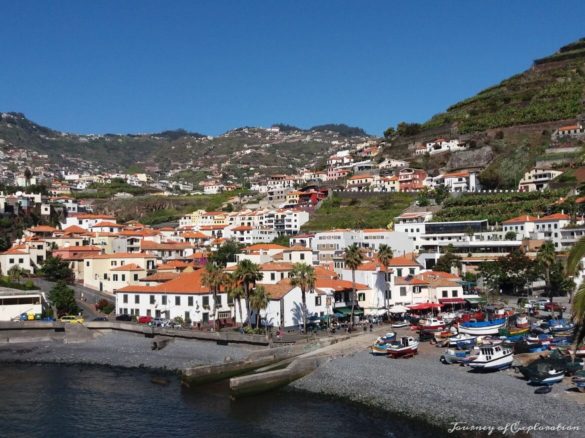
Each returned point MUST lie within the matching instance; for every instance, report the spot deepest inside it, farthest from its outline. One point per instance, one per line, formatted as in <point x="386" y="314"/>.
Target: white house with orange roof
<point x="19" y="256"/>
<point x="575" y="130"/>
<point x="260" y="252"/>
<point x="377" y="277"/>
<point x="358" y="183"/>
<point x="385" y="184"/>
<point x="167" y="250"/>
<point x="298" y="254"/>
<point x="98" y="270"/>
<point x="441" y="145"/>
<point x="461" y="181"/>
<point x="86" y="220"/>
<point x="184" y="296"/>
<point x="537" y="179"/>
<point x="523" y="226"/>
<point x="249" y="235"/>
<point x="106" y="227"/>
<point x="549" y="228"/>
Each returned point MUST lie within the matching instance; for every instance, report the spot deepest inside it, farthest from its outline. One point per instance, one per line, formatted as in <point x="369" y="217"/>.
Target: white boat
<point x="448" y="317"/>
<point x="481" y="328"/>
<point x="549" y="378"/>
<point x="522" y="321"/>
<point x="407" y="346"/>
<point x="399" y="324"/>
<point x="432" y="324"/>
<point x="492" y="358"/>
<point x="461" y="339"/>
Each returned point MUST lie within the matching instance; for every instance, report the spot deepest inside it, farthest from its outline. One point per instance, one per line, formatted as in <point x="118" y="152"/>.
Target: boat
<point x="512" y="331"/>
<point x="579" y="381"/>
<point x="560" y="325"/>
<point x="388" y="337"/>
<point x="462" y="340"/>
<point x="579" y="351"/>
<point x="549" y="377"/>
<point x="379" y="349"/>
<point x="448" y="317"/>
<point x="400" y="324"/>
<point x="522" y="321"/>
<point x="488" y="340"/>
<point x="482" y="327"/>
<point x="492" y="358"/>
<point x="557" y="361"/>
<point x="452" y="355"/>
<point x="407" y="346"/>
<point x="432" y="324"/>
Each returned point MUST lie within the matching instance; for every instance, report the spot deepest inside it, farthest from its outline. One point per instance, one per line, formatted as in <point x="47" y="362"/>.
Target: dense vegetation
<point x="499" y="207"/>
<point x="376" y="211"/>
<point x="102" y="191"/>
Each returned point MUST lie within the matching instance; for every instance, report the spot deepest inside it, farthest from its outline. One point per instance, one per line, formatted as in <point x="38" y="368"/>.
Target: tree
<point x="510" y="235"/>
<point x="15" y="274"/>
<point x="422" y="199"/>
<point x="226" y="253"/>
<point x="55" y="269"/>
<point x="390" y="132"/>
<point x="62" y="298"/>
<point x="573" y="264"/>
<point x="258" y="302"/>
<point x="248" y="273"/>
<point x="440" y="193"/>
<point x="448" y="261"/>
<point x="545" y="258"/>
<point x="353" y="258"/>
<point x="303" y="276"/>
<point x="213" y="278"/>
<point x="235" y="292"/>
<point x="27" y="176"/>
<point x="384" y="255"/>
<point x="509" y="274"/>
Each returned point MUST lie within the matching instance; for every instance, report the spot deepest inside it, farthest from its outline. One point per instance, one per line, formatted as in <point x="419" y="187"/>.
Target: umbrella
<point x="398" y="309"/>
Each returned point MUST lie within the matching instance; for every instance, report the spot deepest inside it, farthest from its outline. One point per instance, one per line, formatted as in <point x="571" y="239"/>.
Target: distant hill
<point x="239" y="152"/>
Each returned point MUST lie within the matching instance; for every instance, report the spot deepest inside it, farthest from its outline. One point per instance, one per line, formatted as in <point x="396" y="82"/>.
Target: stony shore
<point x="126" y="350"/>
<point x="424" y="388"/>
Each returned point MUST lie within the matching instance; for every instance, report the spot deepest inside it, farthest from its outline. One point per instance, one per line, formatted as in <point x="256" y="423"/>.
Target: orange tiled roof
<point x="42" y="229"/>
<point x="74" y="229"/>
<point x="186" y="283"/>
<point x="554" y="217"/>
<point x="122" y="255"/>
<point x="263" y="246"/>
<point x="161" y="276"/>
<point x="128" y="267"/>
<point x="405" y="260"/>
<point x="107" y="224"/>
<point x="520" y="219"/>
<point x="337" y="285"/>
<point x="278" y="290"/>
<point x="165" y="246"/>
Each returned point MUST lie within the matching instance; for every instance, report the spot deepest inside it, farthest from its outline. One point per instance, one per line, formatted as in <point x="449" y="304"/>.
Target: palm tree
<point x="235" y="292"/>
<point x="572" y="267"/>
<point x="303" y="276"/>
<point x="352" y="258"/>
<point x="248" y="273"/>
<point x="546" y="258"/>
<point x="213" y="278"/>
<point x="385" y="254"/>
<point x="15" y="273"/>
<point x="258" y="302"/>
<point x="573" y="264"/>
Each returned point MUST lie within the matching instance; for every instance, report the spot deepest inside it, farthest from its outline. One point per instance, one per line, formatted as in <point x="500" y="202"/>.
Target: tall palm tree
<point x="213" y="278"/>
<point x="385" y="254"/>
<point x="352" y="258"/>
<point x="546" y="258"/>
<point x="248" y="273"/>
<point x="235" y="292"/>
<point x="572" y="267"/>
<point x="303" y="276"/>
<point x="258" y="302"/>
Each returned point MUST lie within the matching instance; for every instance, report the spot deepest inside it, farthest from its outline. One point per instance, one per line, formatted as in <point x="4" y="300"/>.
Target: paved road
<point x="86" y="298"/>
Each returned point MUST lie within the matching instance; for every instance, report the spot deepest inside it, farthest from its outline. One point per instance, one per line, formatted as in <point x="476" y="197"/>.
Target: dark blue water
<point x="64" y="401"/>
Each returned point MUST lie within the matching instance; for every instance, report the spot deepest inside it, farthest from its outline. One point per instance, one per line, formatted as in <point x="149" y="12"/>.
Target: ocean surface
<point x="67" y="401"/>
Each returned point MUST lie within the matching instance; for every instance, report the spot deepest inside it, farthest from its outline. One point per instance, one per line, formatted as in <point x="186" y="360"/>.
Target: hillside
<point x="239" y="152"/>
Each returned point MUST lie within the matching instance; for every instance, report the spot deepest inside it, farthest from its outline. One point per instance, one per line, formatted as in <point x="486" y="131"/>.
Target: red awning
<point x="424" y="306"/>
<point x="451" y="301"/>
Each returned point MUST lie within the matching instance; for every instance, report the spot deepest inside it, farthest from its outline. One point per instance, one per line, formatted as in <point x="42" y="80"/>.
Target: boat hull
<point x="494" y="364"/>
<point x="481" y="330"/>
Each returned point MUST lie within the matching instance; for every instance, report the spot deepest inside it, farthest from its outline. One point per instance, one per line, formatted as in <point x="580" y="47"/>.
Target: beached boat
<point x="492" y="358"/>
<point x="407" y="346"/>
<point x="400" y="324"/>
<point x="557" y="360"/>
<point x="560" y="325"/>
<point x="388" y="337"/>
<point x="379" y="349"/>
<point x="512" y="331"/>
<point x="579" y="351"/>
<point x="432" y="324"/>
<point x="549" y="377"/>
<point x="452" y="355"/>
<point x="522" y="321"/>
<point x="462" y="340"/>
<point x="448" y="317"/>
<point x="482" y="327"/>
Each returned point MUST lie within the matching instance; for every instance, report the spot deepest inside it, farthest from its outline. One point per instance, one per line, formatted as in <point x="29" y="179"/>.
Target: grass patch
<point x="359" y="211"/>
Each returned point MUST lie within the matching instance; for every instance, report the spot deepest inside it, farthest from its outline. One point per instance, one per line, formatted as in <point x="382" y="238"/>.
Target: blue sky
<point x="211" y="65"/>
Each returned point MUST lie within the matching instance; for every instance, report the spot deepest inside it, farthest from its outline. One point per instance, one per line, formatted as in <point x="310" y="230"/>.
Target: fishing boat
<point x="432" y="324"/>
<point x="579" y="351"/>
<point x="512" y="331"/>
<point x="482" y="327"/>
<point x="579" y="381"/>
<point x="407" y="346"/>
<point x="522" y="321"/>
<point x="560" y="325"/>
<point x="400" y="324"/>
<point x="549" y="377"/>
<point x="462" y="340"/>
<point x="557" y="361"/>
<point x="492" y="358"/>
<point x="452" y="355"/>
<point x="379" y="349"/>
<point x="448" y="317"/>
<point x="388" y="337"/>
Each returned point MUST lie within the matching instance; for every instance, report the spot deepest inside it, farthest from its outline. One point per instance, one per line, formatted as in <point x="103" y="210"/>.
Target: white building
<point x="537" y="179"/>
<point x="14" y="302"/>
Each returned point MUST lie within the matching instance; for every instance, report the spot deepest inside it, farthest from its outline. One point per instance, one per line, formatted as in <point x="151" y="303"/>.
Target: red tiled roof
<point x="107" y="224"/>
<point x="161" y="276"/>
<point x="74" y="229"/>
<point x="42" y="229"/>
<point x="166" y="246"/>
<point x="405" y="260"/>
<point x="186" y="283"/>
<point x="520" y="219"/>
<point x="554" y="217"/>
<point x="122" y="255"/>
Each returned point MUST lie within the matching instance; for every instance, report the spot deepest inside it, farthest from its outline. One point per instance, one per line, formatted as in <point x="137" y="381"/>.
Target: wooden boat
<point x="379" y="349"/>
<point x="407" y="346"/>
<point x="522" y="321"/>
<point x="400" y="324"/>
<point x="488" y="340"/>
<point x="388" y="337"/>
<point x="432" y="324"/>
<point x="452" y="355"/>
<point x="482" y="327"/>
<point x="512" y="331"/>
<point x="492" y="358"/>
<point x="560" y="325"/>
<point x="462" y="340"/>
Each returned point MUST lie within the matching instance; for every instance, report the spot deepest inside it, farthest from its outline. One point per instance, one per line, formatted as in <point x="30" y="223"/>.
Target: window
<point x="113" y="263"/>
<point x="136" y="299"/>
<point x="317" y="301"/>
<point x="148" y="312"/>
<point x="125" y="300"/>
<point x="272" y="276"/>
<point x="218" y="301"/>
<point x="115" y="278"/>
<point x="224" y="315"/>
<point x="361" y="296"/>
<point x="302" y="256"/>
<point x="21" y="261"/>
<point x="177" y="300"/>
<point x="152" y="299"/>
<point x="411" y="271"/>
<point x="399" y="272"/>
<point x="87" y="263"/>
<point x="445" y="293"/>
<point x="123" y="277"/>
<point x="190" y="301"/>
<point x="402" y="291"/>
<point x="206" y="302"/>
<point x="135" y="277"/>
<point x="10" y="260"/>
<point x="164" y="300"/>
<point x="454" y="293"/>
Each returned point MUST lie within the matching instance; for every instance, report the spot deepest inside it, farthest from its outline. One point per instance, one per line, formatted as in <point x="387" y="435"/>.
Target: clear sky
<point x="212" y="65"/>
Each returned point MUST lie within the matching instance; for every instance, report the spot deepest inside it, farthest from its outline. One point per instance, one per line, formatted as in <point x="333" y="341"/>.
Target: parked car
<point x="124" y="317"/>
<point x="144" y="319"/>
<point x="160" y="322"/>
<point x="72" y="319"/>
<point x="552" y="307"/>
<point x="100" y="318"/>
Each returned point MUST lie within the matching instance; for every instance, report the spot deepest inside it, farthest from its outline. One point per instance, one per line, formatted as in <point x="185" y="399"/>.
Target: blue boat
<point x="560" y="325"/>
<point x="481" y="328"/>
